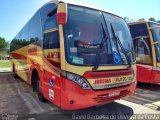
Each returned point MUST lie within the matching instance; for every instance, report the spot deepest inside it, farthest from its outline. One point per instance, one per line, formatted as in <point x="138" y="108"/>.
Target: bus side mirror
<point x="62" y="13"/>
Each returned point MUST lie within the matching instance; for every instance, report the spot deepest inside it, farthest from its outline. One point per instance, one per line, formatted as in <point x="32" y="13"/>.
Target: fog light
<point x="71" y="101"/>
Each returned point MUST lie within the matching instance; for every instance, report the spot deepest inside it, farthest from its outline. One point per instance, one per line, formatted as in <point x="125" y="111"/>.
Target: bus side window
<point x="143" y="52"/>
<point x="51" y="34"/>
<point x="51" y="40"/>
<point x="157" y="47"/>
<point x="51" y="43"/>
<point x="135" y="46"/>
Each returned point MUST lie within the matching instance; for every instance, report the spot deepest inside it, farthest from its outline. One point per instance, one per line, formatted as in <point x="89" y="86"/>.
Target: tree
<point x="152" y="19"/>
<point x="3" y="48"/>
<point x="158" y="21"/>
<point x="141" y="19"/>
<point x="3" y="44"/>
<point x="127" y="19"/>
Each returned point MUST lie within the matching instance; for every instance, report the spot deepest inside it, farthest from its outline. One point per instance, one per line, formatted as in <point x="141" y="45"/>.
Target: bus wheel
<point x="14" y="72"/>
<point x="36" y="87"/>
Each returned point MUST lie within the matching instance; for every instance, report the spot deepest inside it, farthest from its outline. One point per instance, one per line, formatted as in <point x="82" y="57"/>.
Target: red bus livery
<point x="146" y="39"/>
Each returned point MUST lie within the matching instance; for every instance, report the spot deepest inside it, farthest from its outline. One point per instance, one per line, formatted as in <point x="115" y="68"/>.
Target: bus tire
<point x="14" y="72"/>
<point x="36" y="87"/>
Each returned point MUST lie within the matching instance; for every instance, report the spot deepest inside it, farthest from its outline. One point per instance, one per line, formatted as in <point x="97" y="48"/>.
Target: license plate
<point x="114" y="94"/>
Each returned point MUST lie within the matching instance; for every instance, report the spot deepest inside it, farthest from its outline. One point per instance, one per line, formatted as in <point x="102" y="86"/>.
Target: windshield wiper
<point x="98" y="54"/>
<point x="117" y="41"/>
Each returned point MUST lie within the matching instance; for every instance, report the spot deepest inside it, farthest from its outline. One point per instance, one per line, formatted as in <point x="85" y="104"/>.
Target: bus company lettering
<point x="123" y="79"/>
<point x="102" y="81"/>
<point x="32" y="51"/>
<point x="53" y="55"/>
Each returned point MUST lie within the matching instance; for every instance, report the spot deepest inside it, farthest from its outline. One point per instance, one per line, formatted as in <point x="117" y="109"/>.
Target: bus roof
<point x="143" y="21"/>
<point x="80" y="4"/>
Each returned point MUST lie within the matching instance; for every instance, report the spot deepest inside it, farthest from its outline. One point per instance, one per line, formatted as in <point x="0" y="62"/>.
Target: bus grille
<point x="105" y="97"/>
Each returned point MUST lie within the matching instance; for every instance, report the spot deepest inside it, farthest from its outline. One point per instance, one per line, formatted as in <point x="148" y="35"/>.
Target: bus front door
<point x="144" y="59"/>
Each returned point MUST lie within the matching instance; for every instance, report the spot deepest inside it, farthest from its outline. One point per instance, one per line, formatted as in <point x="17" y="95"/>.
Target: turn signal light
<point x="61" y="18"/>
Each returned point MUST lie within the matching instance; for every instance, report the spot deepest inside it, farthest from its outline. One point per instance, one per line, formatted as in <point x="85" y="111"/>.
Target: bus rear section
<point x="86" y="58"/>
<point x="146" y="39"/>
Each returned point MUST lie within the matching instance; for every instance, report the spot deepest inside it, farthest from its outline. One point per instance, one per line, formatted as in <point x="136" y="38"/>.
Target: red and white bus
<point x="75" y="56"/>
<point x="146" y="39"/>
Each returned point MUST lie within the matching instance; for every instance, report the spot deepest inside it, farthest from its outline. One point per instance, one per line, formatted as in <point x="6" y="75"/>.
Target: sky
<point x="14" y="14"/>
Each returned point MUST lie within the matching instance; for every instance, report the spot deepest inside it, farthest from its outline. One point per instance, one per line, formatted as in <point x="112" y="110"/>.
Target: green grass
<point x="5" y="64"/>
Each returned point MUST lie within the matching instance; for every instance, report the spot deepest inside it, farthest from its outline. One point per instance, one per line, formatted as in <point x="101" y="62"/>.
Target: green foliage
<point x="141" y="19"/>
<point x="19" y="43"/>
<point x="3" y="44"/>
<point x="152" y="19"/>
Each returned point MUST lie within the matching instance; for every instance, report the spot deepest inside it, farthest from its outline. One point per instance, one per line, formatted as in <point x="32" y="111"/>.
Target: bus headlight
<point x="82" y="82"/>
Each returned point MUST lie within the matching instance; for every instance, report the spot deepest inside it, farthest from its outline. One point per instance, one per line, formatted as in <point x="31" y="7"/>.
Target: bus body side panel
<point x="26" y="48"/>
<point x="155" y="77"/>
<point x="19" y="59"/>
<point x="144" y="73"/>
<point x="51" y="76"/>
<point x="51" y="84"/>
<point x="51" y="87"/>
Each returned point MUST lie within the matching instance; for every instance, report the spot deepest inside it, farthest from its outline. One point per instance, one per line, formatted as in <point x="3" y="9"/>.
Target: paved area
<point x="19" y="102"/>
<point x="147" y="95"/>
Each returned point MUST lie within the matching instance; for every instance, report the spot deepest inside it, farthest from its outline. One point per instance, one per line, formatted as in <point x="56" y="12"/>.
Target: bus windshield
<point x="155" y="31"/>
<point x="86" y="36"/>
<point x="139" y="30"/>
<point x="156" y="37"/>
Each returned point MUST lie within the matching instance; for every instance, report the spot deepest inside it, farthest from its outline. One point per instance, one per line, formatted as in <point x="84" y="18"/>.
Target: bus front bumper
<point x="77" y="98"/>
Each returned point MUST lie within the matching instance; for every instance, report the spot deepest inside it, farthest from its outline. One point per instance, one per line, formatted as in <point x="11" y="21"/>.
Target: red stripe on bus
<point x="106" y="74"/>
<point x="18" y="56"/>
<point x="56" y="64"/>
